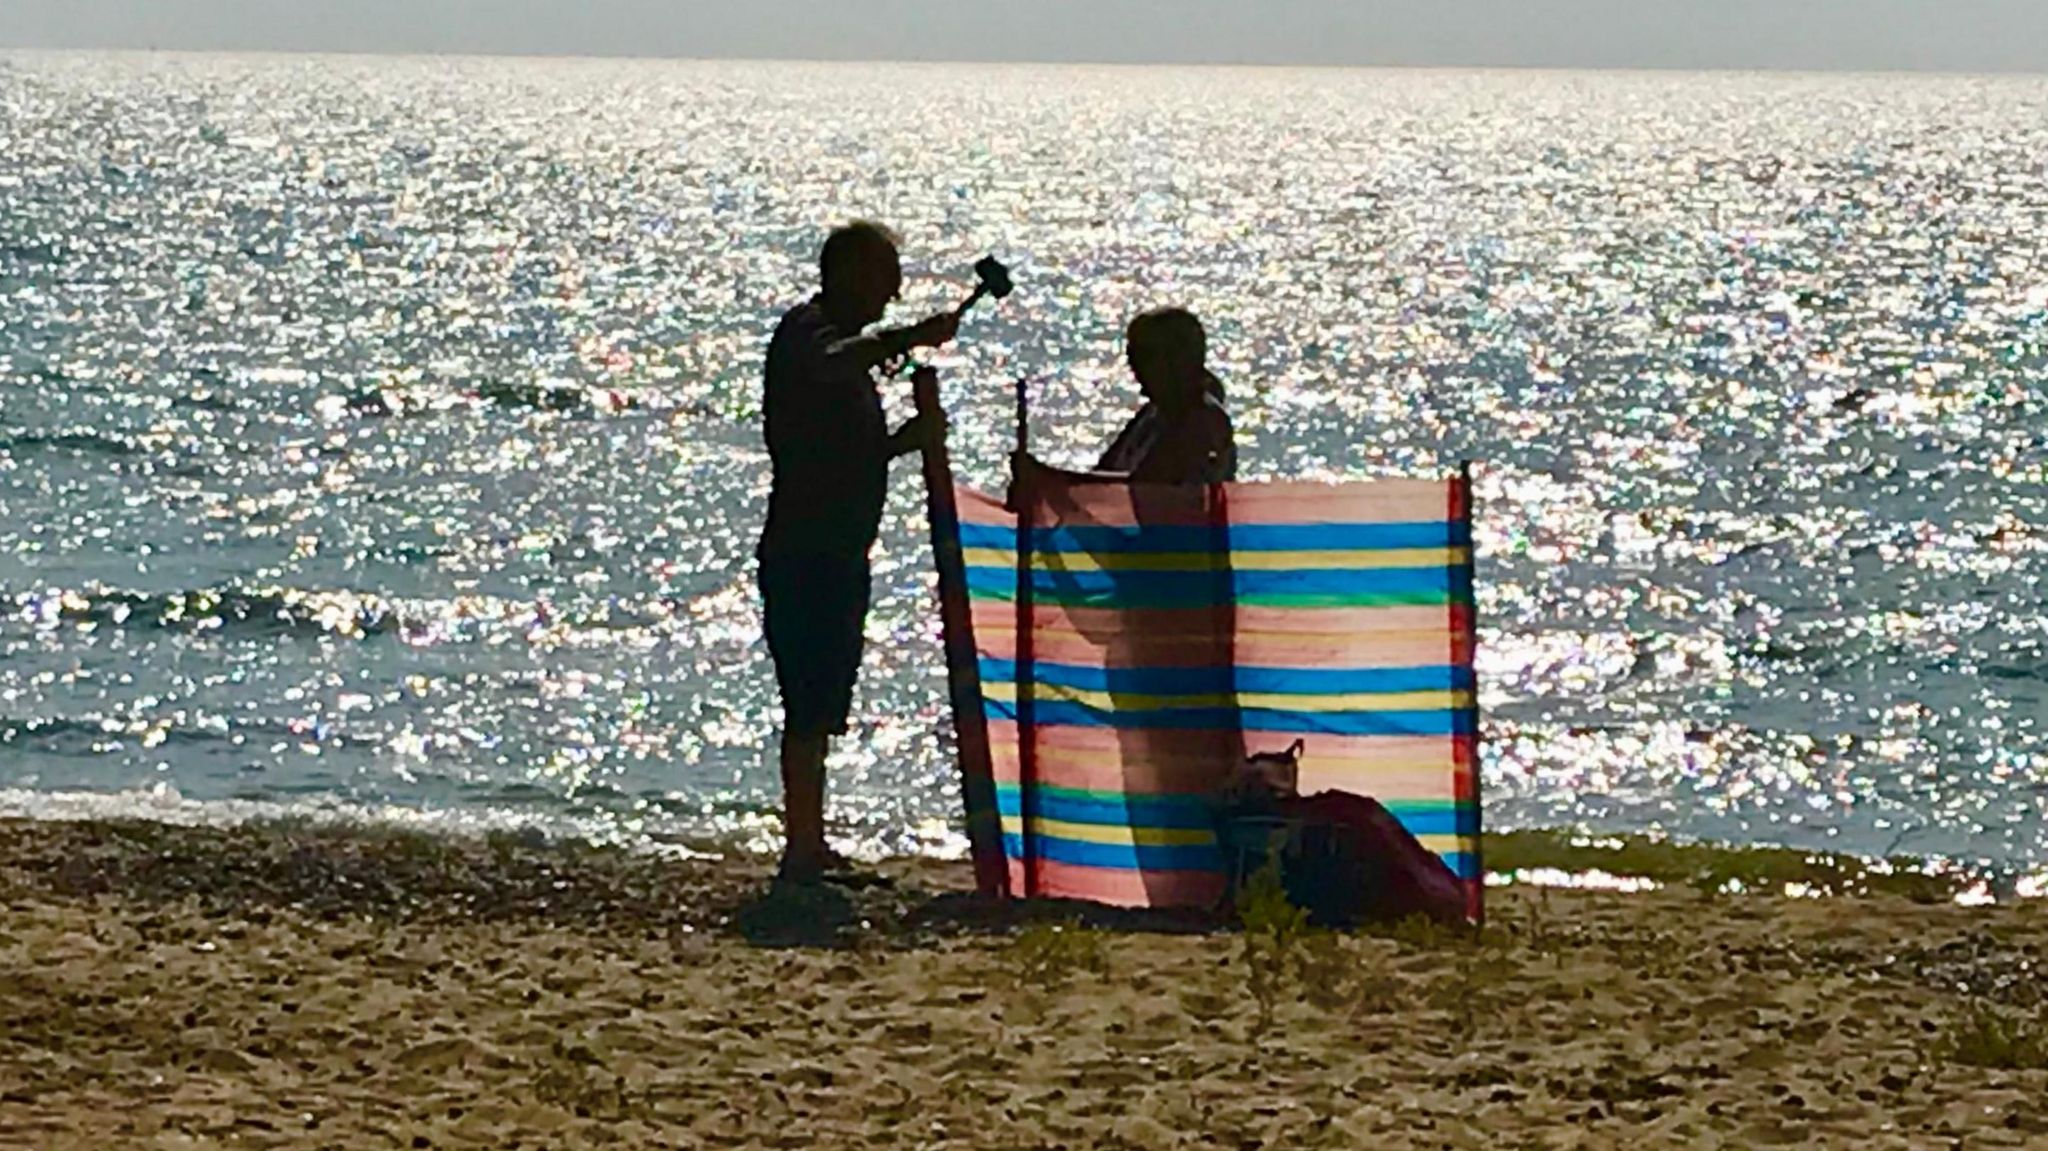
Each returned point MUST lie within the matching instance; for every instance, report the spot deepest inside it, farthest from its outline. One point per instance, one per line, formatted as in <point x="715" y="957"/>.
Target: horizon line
<point x="985" y="62"/>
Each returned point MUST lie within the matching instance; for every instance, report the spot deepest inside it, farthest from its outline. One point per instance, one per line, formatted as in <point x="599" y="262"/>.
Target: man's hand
<point x="924" y="430"/>
<point x="935" y="331"/>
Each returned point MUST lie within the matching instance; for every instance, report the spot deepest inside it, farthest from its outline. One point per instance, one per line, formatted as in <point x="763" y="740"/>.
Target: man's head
<point x="860" y="271"/>
<point x="1168" y="353"/>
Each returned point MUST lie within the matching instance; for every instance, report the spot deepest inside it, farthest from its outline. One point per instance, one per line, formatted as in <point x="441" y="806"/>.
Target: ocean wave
<point x="260" y="613"/>
<point x="255" y="612"/>
<point x="81" y="736"/>
<point x="2036" y="671"/>
<point x="88" y="735"/>
<point x="164" y="803"/>
<point x="79" y="442"/>
<point x="398" y="402"/>
<point x="205" y="400"/>
<point x="557" y="397"/>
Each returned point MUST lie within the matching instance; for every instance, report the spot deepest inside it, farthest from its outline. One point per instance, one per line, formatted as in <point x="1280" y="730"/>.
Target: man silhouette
<point x="830" y="447"/>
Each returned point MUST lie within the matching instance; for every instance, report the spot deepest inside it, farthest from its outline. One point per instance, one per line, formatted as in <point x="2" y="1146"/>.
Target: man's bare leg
<point x="804" y="856"/>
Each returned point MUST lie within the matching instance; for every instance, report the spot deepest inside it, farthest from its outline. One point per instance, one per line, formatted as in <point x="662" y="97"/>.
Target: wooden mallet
<point x="991" y="279"/>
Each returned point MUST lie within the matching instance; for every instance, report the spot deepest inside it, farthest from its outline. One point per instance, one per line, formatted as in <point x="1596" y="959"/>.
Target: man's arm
<point x="865" y="352"/>
<point x="923" y="430"/>
<point x="917" y="433"/>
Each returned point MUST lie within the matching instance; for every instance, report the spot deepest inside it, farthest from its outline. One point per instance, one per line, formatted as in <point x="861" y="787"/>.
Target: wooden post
<point x="1027" y="753"/>
<point x="963" y="668"/>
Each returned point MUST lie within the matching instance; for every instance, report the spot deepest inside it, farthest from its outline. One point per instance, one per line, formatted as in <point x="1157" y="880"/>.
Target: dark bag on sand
<point x="1346" y="860"/>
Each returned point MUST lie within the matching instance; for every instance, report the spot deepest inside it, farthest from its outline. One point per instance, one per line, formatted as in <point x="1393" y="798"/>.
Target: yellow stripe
<point x="1446" y="844"/>
<point x="1106" y="701"/>
<point x="1112" y="835"/>
<point x="1368" y="560"/>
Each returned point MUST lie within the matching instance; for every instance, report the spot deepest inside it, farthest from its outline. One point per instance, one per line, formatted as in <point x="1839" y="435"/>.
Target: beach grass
<point x="1720" y="867"/>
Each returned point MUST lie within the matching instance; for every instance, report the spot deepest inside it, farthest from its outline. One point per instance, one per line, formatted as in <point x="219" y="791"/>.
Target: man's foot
<point x="844" y="873"/>
<point x="803" y="870"/>
<point x="828" y="866"/>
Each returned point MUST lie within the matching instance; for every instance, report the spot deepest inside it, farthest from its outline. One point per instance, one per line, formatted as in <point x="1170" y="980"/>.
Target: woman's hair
<point x="1174" y="331"/>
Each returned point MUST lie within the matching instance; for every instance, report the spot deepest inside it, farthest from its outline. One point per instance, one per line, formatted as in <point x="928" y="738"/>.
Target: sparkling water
<point x="382" y="436"/>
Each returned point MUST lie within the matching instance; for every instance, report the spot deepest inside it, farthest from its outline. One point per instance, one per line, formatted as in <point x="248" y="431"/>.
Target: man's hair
<point x="1173" y="328"/>
<point x="851" y="246"/>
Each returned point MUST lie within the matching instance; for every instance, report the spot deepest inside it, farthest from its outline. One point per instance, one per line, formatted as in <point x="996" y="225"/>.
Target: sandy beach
<point x="297" y="987"/>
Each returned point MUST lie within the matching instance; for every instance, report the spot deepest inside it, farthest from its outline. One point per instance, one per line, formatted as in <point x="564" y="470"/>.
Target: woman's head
<point x="1168" y="352"/>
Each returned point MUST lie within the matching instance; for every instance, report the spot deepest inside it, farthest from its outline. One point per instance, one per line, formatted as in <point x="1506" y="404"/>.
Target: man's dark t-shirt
<point x="829" y="444"/>
<point x="828" y="441"/>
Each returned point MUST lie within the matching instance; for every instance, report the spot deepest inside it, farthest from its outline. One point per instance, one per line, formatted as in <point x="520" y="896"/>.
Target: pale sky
<point x="1951" y="35"/>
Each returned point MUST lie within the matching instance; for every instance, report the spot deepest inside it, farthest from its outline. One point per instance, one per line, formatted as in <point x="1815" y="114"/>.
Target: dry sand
<point x="293" y="988"/>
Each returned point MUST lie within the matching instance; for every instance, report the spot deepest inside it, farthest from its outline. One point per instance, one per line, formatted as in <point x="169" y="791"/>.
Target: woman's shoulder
<point x="1213" y="415"/>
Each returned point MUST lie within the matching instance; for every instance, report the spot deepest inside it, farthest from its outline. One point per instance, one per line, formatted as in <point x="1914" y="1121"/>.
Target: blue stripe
<point x="1462" y="864"/>
<point x="1426" y="821"/>
<point x="1189" y="812"/>
<point x="1254" y="680"/>
<point x="1243" y="537"/>
<point x="1201" y="588"/>
<point x="1122" y="857"/>
<point x="1065" y="713"/>
<point x="1468" y="821"/>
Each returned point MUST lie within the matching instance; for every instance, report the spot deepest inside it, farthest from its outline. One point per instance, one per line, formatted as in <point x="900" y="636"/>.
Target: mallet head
<point x="994" y="277"/>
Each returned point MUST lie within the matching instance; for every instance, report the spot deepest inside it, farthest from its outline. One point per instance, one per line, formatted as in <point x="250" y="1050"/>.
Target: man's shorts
<point x="814" y="611"/>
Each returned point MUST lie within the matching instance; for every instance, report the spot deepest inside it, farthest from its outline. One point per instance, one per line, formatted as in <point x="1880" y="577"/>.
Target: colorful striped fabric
<point x="1172" y="631"/>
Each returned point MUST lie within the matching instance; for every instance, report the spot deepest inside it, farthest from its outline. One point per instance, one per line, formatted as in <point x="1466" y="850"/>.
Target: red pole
<point x="1027" y="679"/>
<point x="963" y="670"/>
<point x="1468" y="650"/>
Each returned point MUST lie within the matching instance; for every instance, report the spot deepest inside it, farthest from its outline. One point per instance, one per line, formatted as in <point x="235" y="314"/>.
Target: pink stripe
<point x="1134" y="776"/>
<point x="1275" y="638"/>
<point x="1122" y="506"/>
<point x="1336" y="747"/>
<point x="1125" y="762"/>
<point x="1389" y="501"/>
<point x="1121" y="888"/>
<point x="1194" y="763"/>
<point x="982" y="509"/>
<point x="1393" y="783"/>
<point x="1119" y="505"/>
<point x="1195" y="642"/>
<point x="1387" y="651"/>
<point x="1392" y="649"/>
<point x="1251" y="620"/>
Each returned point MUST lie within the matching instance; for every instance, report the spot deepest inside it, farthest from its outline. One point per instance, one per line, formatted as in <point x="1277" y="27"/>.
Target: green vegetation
<point x="1715" y="868"/>
<point x="1274" y="931"/>
<point x="1980" y="1034"/>
<point x="1047" y="956"/>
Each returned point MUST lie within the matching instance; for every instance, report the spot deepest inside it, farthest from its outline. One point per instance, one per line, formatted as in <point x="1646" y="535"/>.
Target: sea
<point x="380" y="438"/>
